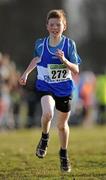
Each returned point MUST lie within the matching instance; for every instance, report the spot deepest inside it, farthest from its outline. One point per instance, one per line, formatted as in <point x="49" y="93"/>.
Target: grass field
<point x="87" y="151"/>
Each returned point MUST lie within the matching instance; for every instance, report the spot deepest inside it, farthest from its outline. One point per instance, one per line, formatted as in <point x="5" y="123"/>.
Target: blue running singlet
<point x="52" y="75"/>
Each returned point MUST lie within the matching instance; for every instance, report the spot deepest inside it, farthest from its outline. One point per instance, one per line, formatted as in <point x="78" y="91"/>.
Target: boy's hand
<point x="60" y="55"/>
<point x="23" y="79"/>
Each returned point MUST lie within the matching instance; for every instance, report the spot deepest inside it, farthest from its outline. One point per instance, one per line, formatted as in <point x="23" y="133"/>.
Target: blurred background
<point x="21" y="23"/>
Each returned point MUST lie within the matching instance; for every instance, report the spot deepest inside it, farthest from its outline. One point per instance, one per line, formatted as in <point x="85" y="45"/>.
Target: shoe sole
<point x="65" y="171"/>
<point x="40" y="156"/>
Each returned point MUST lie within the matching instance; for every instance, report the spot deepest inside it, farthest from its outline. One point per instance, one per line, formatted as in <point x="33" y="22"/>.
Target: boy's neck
<point x="54" y="41"/>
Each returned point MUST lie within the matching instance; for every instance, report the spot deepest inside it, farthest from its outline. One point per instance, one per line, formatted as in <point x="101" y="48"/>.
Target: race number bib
<point x="58" y="72"/>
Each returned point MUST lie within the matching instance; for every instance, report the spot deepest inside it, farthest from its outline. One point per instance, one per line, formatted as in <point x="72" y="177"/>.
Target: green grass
<point x="87" y="151"/>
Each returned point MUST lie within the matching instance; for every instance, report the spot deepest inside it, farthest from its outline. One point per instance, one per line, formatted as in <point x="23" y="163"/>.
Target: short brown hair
<point x="57" y="13"/>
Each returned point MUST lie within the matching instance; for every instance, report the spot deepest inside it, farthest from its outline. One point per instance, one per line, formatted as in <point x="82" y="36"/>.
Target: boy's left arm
<point x="74" y="68"/>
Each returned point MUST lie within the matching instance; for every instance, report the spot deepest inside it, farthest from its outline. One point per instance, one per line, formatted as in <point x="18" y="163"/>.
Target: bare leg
<point x="63" y="128"/>
<point x="47" y="103"/>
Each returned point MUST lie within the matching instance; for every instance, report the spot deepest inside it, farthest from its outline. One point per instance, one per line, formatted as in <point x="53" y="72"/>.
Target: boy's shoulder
<point x="71" y="41"/>
<point x="39" y="41"/>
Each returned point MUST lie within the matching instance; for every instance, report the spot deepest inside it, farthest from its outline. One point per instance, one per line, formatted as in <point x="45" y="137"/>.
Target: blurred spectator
<point x="87" y="96"/>
<point x="76" y="118"/>
<point x="16" y="97"/>
<point x="10" y="93"/>
<point x="6" y="118"/>
<point x="101" y="98"/>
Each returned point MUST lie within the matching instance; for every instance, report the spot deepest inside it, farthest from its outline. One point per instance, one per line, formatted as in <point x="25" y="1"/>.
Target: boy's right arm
<point x="31" y="66"/>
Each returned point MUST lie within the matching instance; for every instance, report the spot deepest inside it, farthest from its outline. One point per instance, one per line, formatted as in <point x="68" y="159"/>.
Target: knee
<point x="62" y="127"/>
<point x="47" y="115"/>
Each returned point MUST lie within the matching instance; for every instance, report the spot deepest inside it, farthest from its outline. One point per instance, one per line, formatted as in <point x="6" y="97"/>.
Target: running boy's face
<point x="55" y="27"/>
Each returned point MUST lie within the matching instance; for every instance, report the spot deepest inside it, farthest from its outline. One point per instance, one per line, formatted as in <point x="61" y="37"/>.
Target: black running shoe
<point x="65" y="164"/>
<point x="41" y="149"/>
